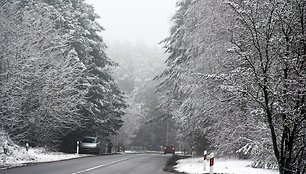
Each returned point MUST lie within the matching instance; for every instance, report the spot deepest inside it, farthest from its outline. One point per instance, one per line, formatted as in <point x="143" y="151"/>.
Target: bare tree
<point x="271" y="52"/>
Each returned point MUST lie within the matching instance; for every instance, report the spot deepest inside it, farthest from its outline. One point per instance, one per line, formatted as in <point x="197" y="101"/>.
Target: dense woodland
<point x="144" y="124"/>
<point x="234" y="81"/>
<point x="236" y="76"/>
<point x="55" y="78"/>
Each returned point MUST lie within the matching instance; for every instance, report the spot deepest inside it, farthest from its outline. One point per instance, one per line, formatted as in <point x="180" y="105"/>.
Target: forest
<point x="55" y="78"/>
<point x="231" y="79"/>
<point x="236" y="77"/>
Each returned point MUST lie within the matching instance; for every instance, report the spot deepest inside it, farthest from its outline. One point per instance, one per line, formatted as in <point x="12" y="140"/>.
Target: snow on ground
<point x="230" y="166"/>
<point x="44" y="156"/>
<point x="20" y="157"/>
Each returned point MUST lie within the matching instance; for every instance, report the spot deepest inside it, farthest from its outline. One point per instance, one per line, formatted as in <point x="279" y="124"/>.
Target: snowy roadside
<point x="228" y="166"/>
<point x="20" y="157"/>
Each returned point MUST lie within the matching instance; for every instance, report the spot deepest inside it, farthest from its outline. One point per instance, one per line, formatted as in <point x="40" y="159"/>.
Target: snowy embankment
<point x="18" y="156"/>
<point x="228" y="166"/>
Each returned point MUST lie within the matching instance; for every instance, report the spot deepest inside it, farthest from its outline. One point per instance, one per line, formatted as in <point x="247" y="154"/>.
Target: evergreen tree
<point x="55" y="78"/>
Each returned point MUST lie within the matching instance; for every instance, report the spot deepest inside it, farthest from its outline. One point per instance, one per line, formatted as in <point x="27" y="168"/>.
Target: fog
<point x="135" y="20"/>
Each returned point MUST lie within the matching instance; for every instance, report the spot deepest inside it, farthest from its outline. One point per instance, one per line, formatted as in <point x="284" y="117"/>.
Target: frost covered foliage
<point x="269" y="41"/>
<point x="193" y="83"/>
<point x="54" y="75"/>
<point x="14" y="153"/>
<point x="236" y="75"/>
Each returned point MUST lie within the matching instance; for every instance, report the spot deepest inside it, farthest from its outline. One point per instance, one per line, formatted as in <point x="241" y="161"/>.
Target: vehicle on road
<point x="89" y="145"/>
<point x="169" y="149"/>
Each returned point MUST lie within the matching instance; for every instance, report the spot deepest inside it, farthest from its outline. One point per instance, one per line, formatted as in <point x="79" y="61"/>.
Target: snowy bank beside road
<point x="20" y="157"/>
<point x="195" y="165"/>
<point x="12" y="155"/>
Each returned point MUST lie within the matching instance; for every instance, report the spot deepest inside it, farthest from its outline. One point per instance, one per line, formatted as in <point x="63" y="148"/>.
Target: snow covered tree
<point x="38" y="79"/>
<point x="55" y="76"/>
<point x="104" y="99"/>
<point x="271" y="72"/>
<point x="192" y="84"/>
<point x="210" y="91"/>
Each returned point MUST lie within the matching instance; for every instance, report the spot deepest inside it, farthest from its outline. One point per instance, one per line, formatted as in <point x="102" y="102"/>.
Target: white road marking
<point x="102" y="165"/>
<point x="99" y="166"/>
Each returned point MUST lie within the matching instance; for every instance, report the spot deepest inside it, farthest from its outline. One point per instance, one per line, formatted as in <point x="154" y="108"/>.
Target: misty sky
<point x="135" y="20"/>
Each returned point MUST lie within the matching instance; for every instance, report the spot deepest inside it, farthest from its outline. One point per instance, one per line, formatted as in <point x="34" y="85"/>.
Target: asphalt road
<point x="113" y="164"/>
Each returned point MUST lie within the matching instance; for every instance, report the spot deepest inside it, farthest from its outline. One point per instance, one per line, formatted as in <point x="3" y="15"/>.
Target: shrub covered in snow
<point x="11" y="153"/>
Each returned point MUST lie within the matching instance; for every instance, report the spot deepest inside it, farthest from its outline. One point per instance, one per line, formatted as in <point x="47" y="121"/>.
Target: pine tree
<point x="55" y="76"/>
<point x="104" y="101"/>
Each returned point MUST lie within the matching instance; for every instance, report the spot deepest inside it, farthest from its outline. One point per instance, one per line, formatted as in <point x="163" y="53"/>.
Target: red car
<point x="169" y="149"/>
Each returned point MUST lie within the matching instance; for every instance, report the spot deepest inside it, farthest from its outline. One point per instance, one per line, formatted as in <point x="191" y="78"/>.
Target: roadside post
<point x="205" y="158"/>
<point x="78" y="147"/>
<point x="106" y="148"/>
<point x="27" y="147"/>
<point x="192" y="152"/>
<point x="211" y="163"/>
